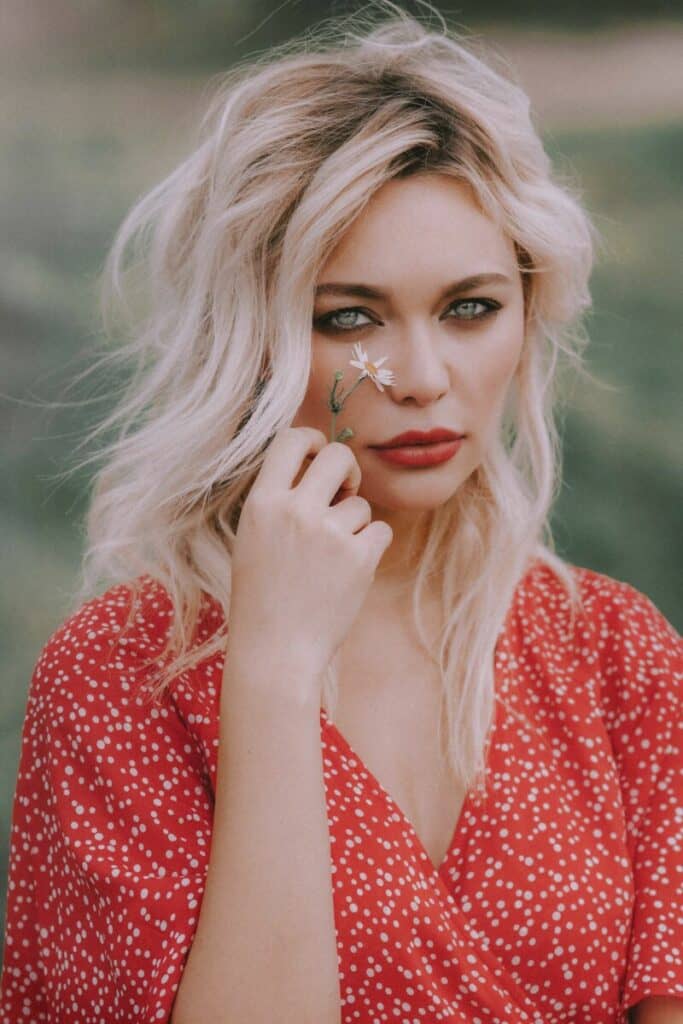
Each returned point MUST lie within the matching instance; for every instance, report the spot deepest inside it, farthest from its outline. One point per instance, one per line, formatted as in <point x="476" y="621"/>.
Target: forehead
<point x="427" y="217"/>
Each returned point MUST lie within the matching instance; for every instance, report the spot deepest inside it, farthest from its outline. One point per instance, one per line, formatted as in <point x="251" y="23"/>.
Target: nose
<point x="420" y="372"/>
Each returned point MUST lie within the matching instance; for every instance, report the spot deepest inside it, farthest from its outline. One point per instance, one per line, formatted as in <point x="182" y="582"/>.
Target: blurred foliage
<point x="209" y="32"/>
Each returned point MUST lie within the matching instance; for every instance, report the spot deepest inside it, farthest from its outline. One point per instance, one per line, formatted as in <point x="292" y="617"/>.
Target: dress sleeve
<point x="110" y="836"/>
<point x="644" y="672"/>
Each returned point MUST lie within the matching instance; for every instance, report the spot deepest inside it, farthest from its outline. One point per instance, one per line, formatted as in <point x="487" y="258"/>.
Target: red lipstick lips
<point x="418" y="448"/>
<point x="413" y="437"/>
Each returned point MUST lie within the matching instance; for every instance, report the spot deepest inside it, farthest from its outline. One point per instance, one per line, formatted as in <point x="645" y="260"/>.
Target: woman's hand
<point x="302" y="565"/>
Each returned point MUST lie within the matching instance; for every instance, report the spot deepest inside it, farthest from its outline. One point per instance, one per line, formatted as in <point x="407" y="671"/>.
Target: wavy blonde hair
<point x="209" y="283"/>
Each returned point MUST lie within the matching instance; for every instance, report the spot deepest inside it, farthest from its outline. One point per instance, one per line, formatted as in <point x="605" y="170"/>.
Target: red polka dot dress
<point x="559" y="899"/>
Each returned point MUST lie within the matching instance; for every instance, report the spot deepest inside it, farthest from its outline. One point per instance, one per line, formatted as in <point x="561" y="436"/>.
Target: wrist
<point x="290" y="682"/>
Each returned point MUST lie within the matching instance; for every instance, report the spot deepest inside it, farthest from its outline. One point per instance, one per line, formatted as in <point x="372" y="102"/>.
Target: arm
<point x="657" y="1010"/>
<point x="265" y="946"/>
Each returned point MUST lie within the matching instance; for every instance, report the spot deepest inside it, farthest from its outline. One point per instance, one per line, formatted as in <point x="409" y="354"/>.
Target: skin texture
<point x="658" y="1010"/>
<point x="415" y="237"/>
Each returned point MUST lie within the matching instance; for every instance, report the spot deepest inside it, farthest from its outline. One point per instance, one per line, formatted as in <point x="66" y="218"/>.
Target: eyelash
<point x="324" y="322"/>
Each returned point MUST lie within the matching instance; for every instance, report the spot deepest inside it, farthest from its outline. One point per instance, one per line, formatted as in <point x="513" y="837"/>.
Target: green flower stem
<point x="360" y="380"/>
<point x="336" y="404"/>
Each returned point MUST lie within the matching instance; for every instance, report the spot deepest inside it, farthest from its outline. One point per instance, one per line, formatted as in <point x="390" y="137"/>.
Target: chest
<point x="388" y="712"/>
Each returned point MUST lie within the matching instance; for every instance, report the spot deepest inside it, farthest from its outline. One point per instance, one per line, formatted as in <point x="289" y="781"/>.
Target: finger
<point x="346" y="490"/>
<point x="335" y="467"/>
<point x="377" y="537"/>
<point x="352" y="514"/>
<point x="287" y="451"/>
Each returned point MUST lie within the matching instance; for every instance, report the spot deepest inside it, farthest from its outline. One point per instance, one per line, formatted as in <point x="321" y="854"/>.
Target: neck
<point x="399" y="564"/>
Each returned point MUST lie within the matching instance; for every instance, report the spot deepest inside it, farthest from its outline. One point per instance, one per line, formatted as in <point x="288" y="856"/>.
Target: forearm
<point x="657" y="1010"/>
<point x="265" y="945"/>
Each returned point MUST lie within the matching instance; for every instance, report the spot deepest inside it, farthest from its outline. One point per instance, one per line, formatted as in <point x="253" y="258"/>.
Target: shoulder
<point x="620" y="654"/>
<point x="125" y="625"/>
<point x="604" y="601"/>
<point x="637" y="651"/>
<point x="631" y="629"/>
<point x="615" y="623"/>
<point x="606" y="595"/>
<point x="103" y="656"/>
<point x="96" y="676"/>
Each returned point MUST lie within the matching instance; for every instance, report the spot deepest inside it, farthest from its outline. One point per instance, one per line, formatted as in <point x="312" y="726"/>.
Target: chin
<point x="413" y="493"/>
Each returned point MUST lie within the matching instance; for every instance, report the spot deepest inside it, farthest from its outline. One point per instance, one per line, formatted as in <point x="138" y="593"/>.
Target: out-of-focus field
<point x="79" y="147"/>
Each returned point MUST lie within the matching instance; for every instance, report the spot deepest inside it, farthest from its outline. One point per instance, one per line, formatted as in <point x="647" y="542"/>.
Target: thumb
<point x="381" y="536"/>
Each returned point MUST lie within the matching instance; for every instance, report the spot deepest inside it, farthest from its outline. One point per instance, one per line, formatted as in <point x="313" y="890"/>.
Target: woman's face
<point x="452" y="359"/>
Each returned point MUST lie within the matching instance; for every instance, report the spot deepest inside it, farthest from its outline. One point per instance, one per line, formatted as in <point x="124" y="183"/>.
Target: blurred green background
<point x="98" y="102"/>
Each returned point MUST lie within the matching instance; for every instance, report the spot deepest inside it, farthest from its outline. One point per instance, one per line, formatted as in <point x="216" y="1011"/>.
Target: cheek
<point x="324" y="363"/>
<point x="491" y="375"/>
<point x="314" y="409"/>
<point x="500" y="359"/>
<point x="325" y="359"/>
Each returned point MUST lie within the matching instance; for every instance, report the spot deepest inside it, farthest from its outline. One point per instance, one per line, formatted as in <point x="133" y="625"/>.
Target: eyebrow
<point x="365" y="291"/>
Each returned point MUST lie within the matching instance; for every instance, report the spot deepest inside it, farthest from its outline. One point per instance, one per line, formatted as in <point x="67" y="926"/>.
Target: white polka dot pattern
<point x="561" y="895"/>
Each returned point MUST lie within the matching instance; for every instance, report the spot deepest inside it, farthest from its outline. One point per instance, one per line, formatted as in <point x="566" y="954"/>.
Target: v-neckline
<point x="393" y="806"/>
<point x="468" y="802"/>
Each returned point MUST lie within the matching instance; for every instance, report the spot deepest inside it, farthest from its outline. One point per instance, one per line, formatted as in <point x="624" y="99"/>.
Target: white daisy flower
<point x="371" y="370"/>
<point x="336" y="401"/>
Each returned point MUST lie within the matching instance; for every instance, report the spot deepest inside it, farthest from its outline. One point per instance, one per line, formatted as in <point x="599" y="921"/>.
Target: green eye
<point x="344" y="320"/>
<point x="488" y="305"/>
<point x="326" y="322"/>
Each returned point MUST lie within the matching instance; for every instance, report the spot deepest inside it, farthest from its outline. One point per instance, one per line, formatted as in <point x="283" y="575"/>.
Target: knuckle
<point x="362" y="552"/>
<point x="315" y="432"/>
<point x="297" y="513"/>
<point x="359" y="506"/>
<point x="334" y="529"/>
<point x="348" y="542"/>
<point x="349" y="454"/>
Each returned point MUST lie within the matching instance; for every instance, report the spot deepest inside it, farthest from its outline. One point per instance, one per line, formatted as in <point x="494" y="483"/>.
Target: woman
<point x="430" y="771"/>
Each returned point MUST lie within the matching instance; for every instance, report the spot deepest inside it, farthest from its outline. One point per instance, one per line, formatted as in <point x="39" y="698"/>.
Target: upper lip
<point x="419" y="437"/>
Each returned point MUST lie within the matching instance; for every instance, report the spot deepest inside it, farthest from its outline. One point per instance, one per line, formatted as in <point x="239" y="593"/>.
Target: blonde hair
<point x="214" y="307"/>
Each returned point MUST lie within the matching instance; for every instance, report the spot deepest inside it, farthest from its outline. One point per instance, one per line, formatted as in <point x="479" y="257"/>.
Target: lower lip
<point x="420" y="454"/>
